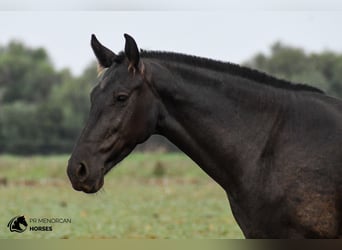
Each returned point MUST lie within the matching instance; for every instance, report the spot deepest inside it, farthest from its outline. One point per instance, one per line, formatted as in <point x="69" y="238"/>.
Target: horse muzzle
<point x="83" y="178"/>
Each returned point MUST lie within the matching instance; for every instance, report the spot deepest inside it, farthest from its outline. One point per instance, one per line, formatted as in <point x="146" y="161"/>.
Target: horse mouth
<point x="115" y="158"/>
<point x="95" y="181"/>
<point x="89" y="188"/>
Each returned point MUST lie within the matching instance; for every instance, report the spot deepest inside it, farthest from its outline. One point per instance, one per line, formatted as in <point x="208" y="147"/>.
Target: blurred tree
<point x="322" y="70"/>
<point x="25" y="74"/>
<point x="72" y="99"/>
<point x="17" y="128"/>
<point x="43" y="110"/>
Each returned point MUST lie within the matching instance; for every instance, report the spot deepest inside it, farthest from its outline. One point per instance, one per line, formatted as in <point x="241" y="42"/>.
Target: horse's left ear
<point x="132" y="52"/>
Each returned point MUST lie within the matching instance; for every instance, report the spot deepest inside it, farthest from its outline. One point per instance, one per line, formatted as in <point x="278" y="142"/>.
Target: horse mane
<point x="225" y="67"/>
<point x="231" y="68"/>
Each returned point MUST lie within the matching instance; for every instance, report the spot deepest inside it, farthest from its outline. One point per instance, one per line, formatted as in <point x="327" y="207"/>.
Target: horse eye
<point x="122" y="98"/>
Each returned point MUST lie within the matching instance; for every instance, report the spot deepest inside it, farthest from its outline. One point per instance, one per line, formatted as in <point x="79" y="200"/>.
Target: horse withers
<point x="274" y="146"/>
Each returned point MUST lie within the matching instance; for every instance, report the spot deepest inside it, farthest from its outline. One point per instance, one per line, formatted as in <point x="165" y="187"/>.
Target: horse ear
<point x="105" y="56"/>
<point x="132" y="52"/>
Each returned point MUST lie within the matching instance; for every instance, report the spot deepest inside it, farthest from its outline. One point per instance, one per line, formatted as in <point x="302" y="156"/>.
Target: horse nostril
<point x="82" y="171"/>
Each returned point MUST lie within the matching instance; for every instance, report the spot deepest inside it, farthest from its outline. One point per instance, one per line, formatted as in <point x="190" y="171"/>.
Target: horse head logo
<point x="17" y="224"/>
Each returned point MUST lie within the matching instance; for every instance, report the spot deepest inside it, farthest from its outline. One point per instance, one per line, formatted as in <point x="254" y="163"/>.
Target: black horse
<point x="275" y="147"/>
<point x="14" y="224"/>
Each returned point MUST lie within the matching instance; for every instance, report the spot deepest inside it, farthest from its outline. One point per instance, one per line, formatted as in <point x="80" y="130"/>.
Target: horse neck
<point x="217" y="119"/>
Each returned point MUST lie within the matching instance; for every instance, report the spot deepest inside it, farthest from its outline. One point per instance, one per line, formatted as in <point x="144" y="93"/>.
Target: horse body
<point x="272" y="158"/>
<point x="274" y="147"/>
<point x="292" y="190"/>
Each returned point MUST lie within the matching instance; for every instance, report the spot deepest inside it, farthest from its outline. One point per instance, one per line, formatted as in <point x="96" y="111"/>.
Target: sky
<point x="226" y="32"/>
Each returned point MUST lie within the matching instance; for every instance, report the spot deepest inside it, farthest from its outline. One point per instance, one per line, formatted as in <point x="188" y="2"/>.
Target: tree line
<point x="42" y="110"/>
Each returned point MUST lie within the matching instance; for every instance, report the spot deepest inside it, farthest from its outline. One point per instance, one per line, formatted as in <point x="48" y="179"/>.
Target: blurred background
<point x="47" y="71"/>
<point x="47" y="68"/>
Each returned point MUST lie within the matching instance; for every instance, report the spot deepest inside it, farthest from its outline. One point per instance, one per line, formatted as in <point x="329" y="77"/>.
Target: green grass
<point x="146" y="196"/>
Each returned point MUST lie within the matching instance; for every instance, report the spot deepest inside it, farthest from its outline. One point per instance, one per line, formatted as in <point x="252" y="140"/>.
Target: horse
<point x="274" y="146"/>
<point x="14" y="224"/>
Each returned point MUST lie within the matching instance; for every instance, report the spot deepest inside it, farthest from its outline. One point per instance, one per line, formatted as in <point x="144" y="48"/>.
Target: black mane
<point x="231" y="68"/>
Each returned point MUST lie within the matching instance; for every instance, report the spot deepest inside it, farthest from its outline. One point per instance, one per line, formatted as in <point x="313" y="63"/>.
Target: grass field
<point x="146" y="196"/>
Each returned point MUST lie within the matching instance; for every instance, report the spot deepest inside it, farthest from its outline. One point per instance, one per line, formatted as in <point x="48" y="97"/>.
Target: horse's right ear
<point x="105" y="56"/>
